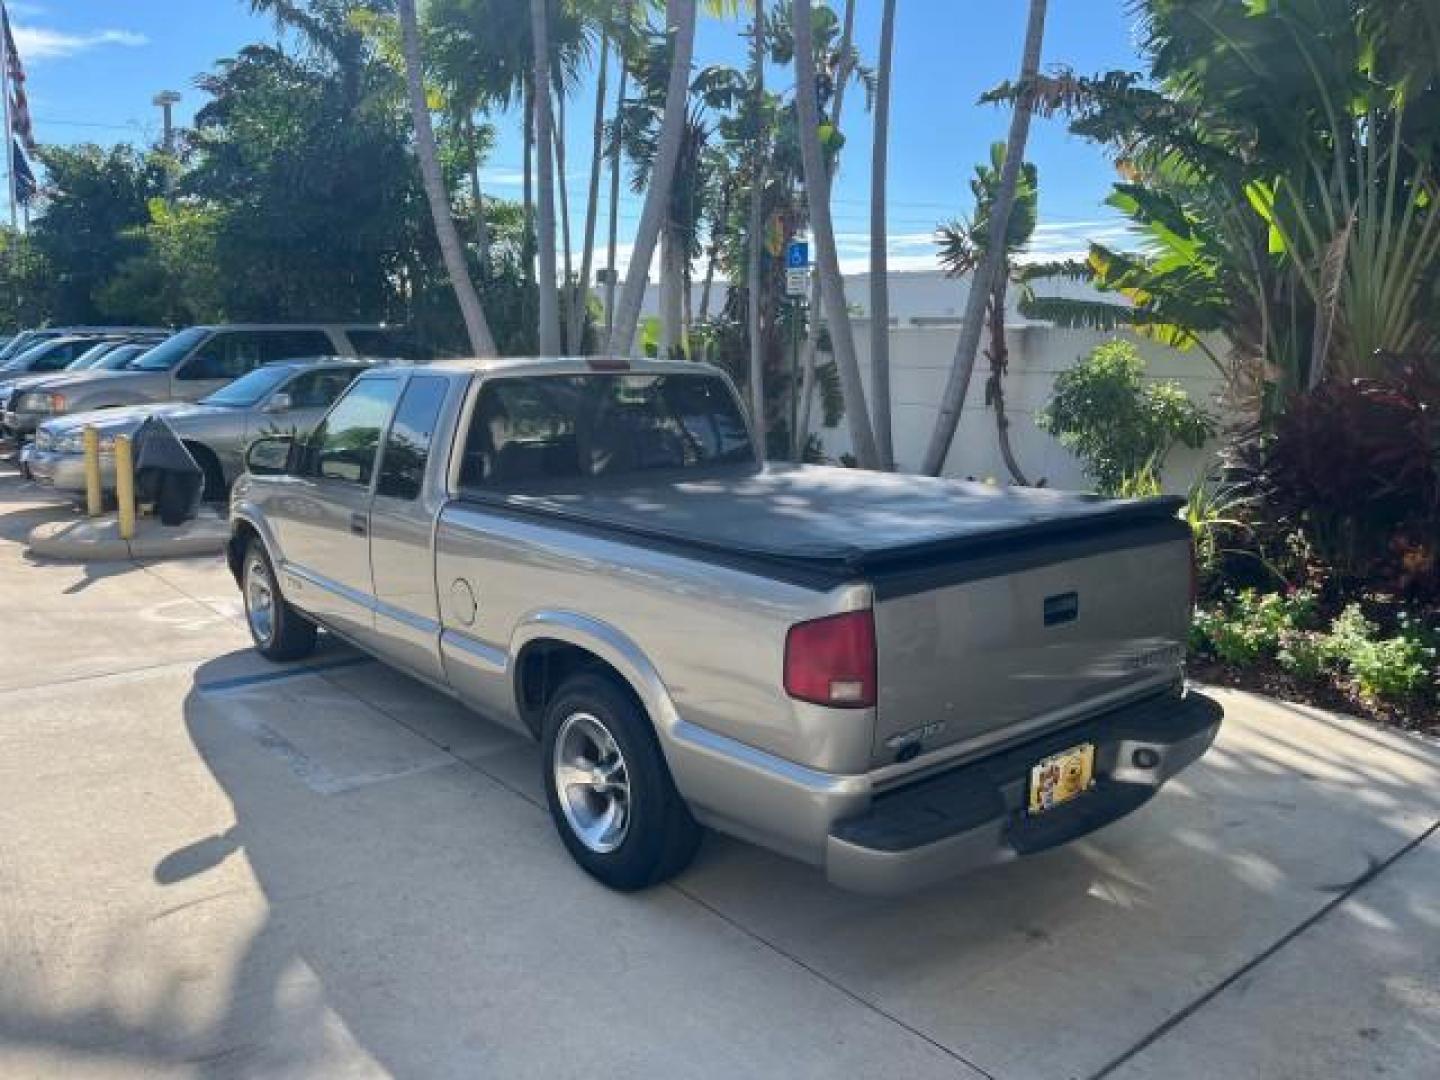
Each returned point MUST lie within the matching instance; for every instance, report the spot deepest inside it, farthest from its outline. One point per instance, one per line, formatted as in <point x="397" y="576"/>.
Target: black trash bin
<point x="166" y="473"/>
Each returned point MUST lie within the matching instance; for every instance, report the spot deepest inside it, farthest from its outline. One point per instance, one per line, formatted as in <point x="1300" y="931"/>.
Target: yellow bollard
<point x="93" y="504"/>
<point x="125" y="486"/>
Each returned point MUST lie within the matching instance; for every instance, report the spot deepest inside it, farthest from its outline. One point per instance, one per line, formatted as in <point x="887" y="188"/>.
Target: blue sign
<point x="797" y="255"/>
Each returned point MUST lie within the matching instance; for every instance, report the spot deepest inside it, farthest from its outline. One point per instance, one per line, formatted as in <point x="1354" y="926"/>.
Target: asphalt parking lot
<point x="210" y="865"/>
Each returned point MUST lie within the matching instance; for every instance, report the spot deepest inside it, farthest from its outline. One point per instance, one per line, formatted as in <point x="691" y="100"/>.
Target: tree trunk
<point x="482" y="230"/>
<point x="816" y="310"/>
<point x="754" y="256"/>
<point x="621" y="88"/>
<point x="592" y="204"/>
<point x="527" y="239"/>
<point x="544" y="181"/>
<point x="680" y="19"/>
<point x="995" y="385"/>
<point x="567" y="290"/>
<point x="713" y="255"/>
<point x="982" y="281"/>
<point x="832" y="285"/>
<point x="669" y="295"/>
<point x="476" y="328"/>
<point x="879" y="243"/>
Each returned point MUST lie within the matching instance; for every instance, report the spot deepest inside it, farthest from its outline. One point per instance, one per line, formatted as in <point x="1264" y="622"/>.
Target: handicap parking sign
<point x="797" y="255"/>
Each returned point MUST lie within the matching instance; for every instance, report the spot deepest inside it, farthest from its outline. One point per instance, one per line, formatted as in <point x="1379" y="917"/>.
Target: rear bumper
<point x="975" y="815"/>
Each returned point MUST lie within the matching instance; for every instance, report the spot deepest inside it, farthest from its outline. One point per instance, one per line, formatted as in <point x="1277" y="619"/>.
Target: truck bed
<point x="821" y="525"/>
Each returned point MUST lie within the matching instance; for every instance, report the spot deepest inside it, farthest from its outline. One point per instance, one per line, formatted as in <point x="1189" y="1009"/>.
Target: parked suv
<point x="189" y="365"/>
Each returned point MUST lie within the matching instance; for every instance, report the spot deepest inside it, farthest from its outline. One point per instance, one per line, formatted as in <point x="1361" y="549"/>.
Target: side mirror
<point x="269" y="456"/>
<point x="278" y="403"/>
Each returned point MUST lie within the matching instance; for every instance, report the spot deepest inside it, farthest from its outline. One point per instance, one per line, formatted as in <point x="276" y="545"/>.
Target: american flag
<point x="19" y="103"/>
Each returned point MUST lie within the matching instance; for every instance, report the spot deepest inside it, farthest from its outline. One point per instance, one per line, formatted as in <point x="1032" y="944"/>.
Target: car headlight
<point x="74" y="443"/>
<point x="39" y="402"/>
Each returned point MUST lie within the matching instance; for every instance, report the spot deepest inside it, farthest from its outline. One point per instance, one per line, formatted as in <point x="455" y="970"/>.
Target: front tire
<point x="278" y="630"/>
<point x="610" y="793"/>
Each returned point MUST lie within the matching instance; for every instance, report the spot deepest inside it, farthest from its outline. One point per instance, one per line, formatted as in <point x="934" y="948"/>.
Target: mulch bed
<point x="1269" y="678"/>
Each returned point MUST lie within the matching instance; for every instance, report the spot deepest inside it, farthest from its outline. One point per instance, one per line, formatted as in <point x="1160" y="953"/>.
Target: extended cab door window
<point x="407" y="446"/>
<point x="344" y="446"/>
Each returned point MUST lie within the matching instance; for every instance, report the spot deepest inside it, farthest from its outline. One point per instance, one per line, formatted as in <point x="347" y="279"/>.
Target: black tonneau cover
<point x="820" y="526"/>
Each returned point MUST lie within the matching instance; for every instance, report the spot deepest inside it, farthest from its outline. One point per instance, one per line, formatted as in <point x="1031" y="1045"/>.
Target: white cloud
<point x="37" y="44"/>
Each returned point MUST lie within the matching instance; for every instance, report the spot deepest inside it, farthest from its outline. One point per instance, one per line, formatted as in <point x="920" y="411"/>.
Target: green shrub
<point x="1305" y="655"/>
<point x="1248" y="626"/>
<point x="1118" y="425"/>
<point x="1383" y="669"/>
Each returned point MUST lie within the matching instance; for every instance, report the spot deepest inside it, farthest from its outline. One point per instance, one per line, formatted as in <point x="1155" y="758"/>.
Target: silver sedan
<point x="288" y="397"/>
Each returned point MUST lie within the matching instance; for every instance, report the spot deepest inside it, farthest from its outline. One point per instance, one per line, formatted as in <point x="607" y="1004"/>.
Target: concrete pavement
<point x="210" y="865"/>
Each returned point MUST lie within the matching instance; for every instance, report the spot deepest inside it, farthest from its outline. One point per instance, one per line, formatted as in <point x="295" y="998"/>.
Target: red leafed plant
<point x="1354" y="466"/>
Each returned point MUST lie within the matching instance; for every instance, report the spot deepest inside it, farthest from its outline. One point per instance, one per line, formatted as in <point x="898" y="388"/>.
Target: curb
<point x="98" y="539"/>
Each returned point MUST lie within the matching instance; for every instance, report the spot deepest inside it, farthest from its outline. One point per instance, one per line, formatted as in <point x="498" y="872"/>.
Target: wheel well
<point x="241" y="537"/>
<point x="210" y="463"/>
<point x="544" y="666"/>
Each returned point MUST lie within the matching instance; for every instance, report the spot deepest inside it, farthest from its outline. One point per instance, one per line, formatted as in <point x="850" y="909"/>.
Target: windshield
<point x="249" y="389"/>
<point x="23" y="360"/>
<point x="171" y="351"/>
<point x="90" y="357"/>
<point x="118" y="359"/>
<point x="17" y="345"/>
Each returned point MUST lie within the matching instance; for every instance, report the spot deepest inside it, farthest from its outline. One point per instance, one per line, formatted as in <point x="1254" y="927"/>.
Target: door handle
<point x="357" y="524"/>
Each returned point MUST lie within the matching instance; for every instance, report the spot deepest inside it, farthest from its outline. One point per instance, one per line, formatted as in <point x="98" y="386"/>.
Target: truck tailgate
<point x="983" y="649"/>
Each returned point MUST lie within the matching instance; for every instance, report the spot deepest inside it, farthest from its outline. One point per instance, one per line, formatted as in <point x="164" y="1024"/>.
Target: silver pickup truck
<point x="893" y="678"/>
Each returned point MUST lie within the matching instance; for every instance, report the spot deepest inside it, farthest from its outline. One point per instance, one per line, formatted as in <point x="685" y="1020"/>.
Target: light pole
<point x="167" y="100"/>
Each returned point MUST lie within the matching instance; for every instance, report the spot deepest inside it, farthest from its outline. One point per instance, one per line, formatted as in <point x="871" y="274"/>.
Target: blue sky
<point x="94" y="66"/>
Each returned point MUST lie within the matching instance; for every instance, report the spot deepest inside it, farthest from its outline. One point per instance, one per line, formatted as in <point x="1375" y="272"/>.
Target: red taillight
<point x="831" y="661"/>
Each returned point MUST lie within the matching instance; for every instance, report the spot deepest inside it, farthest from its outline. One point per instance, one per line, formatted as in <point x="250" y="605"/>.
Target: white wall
<point x="920" y="361"/>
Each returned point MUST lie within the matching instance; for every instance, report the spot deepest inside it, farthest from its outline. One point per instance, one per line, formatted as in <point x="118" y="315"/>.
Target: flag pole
<point x="9" y="132"/>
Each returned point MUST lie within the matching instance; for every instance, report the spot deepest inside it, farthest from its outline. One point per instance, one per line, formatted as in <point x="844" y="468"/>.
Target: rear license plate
<point x="1061" y="777"/>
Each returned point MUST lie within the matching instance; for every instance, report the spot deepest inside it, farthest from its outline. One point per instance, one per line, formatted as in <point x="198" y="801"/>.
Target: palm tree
<point x="592" y="195"/>
<point x="544" y="179"/>
<point x="879" y="240"/>
<point x="839" y="65"/>
<point x="958" y="385"/>
<point x="680" y="22"/>
<point x="832" y="285"/>
<point x="476" y="326"/>
<point x="757" y="230"/>
<point x="965" y="244"/>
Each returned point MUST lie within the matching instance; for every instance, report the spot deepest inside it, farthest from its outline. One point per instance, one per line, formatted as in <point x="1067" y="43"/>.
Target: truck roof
<point x="571" y="365"/>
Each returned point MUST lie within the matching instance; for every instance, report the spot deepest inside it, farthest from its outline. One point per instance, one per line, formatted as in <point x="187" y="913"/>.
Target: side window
<point x="224" y="356"/>
<point x="319" y="389"/>
<point x="294" y="345"/>
<point x="407" y="447"/>
<point x="344" y="445"/>
<point x="57" y="358"/>
<point x="388" y="342"/>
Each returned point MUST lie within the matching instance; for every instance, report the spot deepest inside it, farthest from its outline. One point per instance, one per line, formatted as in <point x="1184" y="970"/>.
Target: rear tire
<point x="278" y="630"/>
<point x="609" y="790"/>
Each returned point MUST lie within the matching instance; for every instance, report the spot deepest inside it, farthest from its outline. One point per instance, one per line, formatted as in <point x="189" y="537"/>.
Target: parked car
<point x="57" y="356"/>
<point x="895" y="678"/>
<point x="46" y="359"/>
<point x="26" y="338"/>
<point x="288" y="397"/>
<point x="186" y="367"/>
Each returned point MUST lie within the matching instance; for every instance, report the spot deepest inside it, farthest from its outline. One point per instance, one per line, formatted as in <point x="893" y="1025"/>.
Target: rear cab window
<point x="552" y="427"/>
